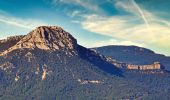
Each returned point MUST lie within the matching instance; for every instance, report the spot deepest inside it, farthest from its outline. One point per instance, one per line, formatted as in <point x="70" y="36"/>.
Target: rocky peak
<point x="46" y="38"/>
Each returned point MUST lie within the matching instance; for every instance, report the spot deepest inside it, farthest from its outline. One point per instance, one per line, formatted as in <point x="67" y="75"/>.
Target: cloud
<point x="123" y="28"/>
<point x="115" y="42"/>
<point x="75" y="13"/>
<point x="19" y="22"/>
<point x="138" y="26"/>
<point x="87" y="4"/>
<point x="77" y="7"/>
<point x="75" y="21"/>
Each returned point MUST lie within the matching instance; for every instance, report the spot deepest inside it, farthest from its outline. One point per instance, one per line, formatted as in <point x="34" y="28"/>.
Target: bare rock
<point x="154" y="66"/>
<point x="46" y="38"/>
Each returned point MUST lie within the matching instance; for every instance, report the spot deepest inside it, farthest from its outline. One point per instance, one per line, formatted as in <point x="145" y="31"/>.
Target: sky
<point x="94" y="23"/>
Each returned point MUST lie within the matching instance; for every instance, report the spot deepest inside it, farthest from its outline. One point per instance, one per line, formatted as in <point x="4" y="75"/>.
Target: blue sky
<point x="94" y="23"/>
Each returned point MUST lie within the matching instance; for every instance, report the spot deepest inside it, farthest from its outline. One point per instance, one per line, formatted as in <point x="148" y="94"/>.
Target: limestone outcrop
<point x="121" y="65"/>
<point x="154" y="66"/>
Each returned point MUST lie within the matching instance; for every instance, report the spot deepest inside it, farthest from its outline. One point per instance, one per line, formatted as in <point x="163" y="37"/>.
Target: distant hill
<point x="134" y="55"/>
<point x="10" y="41"/>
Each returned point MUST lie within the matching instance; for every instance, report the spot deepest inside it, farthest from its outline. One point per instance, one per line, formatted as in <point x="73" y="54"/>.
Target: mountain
<point x="134" y="55"/>
<point x="48" y="64"/>
<point x="10" y="41"/>
<point x="46" y="39"/>
<point x="46" y="57"/>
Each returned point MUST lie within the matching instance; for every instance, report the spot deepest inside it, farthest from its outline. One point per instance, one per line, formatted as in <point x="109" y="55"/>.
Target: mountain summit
<point x="46" y="38"/>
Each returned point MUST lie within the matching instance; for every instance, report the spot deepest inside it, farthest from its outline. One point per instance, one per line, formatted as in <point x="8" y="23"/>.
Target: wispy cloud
<point x="134" y="27"/>
<point x="19" y="22"/>
<point x="87" y="4"/>
<point x="141" y="14"/>
<point x="80" y="8"/>
<point x="115" y="42"/>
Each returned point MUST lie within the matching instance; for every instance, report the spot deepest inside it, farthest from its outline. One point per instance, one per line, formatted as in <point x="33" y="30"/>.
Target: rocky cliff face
<point x="154" y="66"/>
<point x="46" y="38"/>
<point x="121" y="65"/>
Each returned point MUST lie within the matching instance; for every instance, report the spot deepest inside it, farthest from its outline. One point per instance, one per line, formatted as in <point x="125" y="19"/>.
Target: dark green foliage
<point x="62" y="83"/>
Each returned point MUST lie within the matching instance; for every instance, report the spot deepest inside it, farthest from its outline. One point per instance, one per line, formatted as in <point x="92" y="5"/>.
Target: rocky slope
<point x="10" y="41"/>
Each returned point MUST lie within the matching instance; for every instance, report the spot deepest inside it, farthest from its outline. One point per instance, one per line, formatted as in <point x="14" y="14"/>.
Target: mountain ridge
<point x="45" y="38"/>
<point x="9" y="42"/>
<point x="76" y="73"/>
<point x="134" y="55"/>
